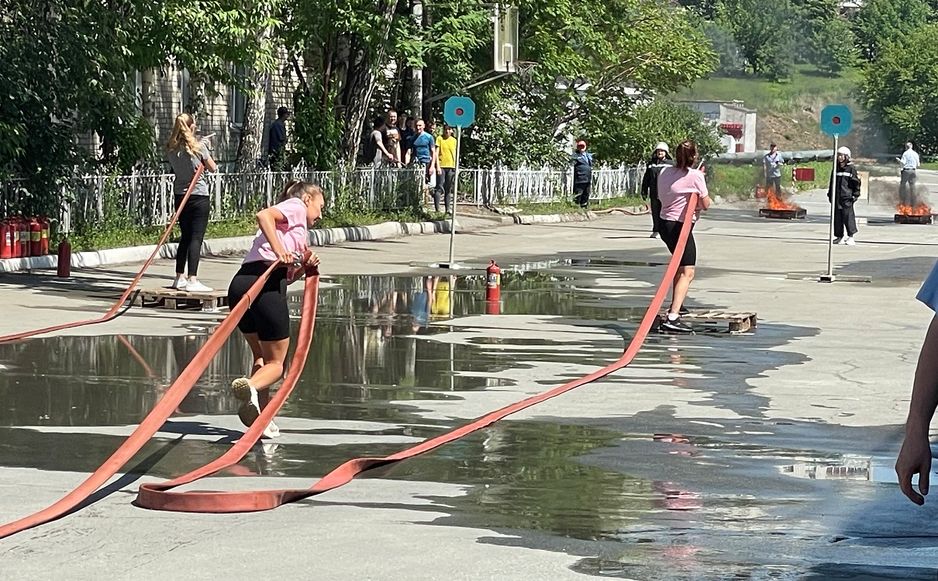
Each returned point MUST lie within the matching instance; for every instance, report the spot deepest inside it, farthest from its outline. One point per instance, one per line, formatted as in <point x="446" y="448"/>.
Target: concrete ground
<point x="851" y="349"/>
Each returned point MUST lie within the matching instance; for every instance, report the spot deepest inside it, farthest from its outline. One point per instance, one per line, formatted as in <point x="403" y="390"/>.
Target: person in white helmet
<point x="844" y="189"/>
<point x="660" y="159"/>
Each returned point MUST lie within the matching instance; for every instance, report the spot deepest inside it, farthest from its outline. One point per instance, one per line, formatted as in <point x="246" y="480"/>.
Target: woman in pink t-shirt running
<point x="675" y="187"/>
<point x="284" y="233"/>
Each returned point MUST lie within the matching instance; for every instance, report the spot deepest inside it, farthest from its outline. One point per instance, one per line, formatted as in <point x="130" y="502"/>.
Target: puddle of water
<point x="663" y="497"/>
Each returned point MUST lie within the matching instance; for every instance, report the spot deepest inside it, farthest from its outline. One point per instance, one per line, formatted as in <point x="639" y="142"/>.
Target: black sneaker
<point x="675" y="326"/>
<point x="683" y="311"/>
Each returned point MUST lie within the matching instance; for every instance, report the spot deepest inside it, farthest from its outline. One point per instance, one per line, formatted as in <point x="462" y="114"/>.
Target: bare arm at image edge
<point x="915" y="455"/>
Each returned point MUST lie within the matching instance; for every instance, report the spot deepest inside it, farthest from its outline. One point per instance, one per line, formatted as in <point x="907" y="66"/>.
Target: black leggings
<point x="269" y="315"/>
<point x="192" y="222"/>
<point x="655" y="212"/>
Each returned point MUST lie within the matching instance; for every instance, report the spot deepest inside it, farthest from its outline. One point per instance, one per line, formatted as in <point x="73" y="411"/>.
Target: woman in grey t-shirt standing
<point x="185" y="155"/>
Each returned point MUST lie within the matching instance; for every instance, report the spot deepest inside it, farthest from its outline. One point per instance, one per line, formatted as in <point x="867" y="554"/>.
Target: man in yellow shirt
<point x="446" y="169"/>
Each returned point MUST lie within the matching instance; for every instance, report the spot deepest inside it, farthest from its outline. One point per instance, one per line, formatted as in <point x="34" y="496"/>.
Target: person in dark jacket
<point x="582" y="174"/>
<point x="845" y="188"/>
<point x="660" y="159"/>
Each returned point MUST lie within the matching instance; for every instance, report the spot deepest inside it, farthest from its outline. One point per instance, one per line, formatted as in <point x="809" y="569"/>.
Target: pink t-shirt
<point x="293" y="233"/>
<point x="674" y="188"/>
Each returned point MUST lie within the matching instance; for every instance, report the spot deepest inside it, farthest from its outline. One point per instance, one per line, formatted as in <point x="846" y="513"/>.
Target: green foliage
<point x="881" y="22"/>
<point x="595" y="61"/>
<point x="730" y="59"/>
<point x="763" y="32"/>
<point x="316" y="131"/>
<point x="630" y="139"/>
<point x="827" y="39"/>
<point x="901" y="88"/>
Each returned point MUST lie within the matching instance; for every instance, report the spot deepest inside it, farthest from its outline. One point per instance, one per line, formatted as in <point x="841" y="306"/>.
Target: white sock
<point x="673" y="316"/>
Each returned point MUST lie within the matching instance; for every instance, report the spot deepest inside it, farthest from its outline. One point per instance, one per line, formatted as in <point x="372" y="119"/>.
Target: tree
<point x="631" y="139"/>
<point x="596" y="60"/>
<point x="763" y="32"/>
<point x="903" y="92"/>
<point x="880" y="22"/>
<point x="826" y="38"/>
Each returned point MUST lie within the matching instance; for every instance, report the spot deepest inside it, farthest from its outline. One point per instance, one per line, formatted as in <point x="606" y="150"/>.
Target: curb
<point x="240" y="244"/>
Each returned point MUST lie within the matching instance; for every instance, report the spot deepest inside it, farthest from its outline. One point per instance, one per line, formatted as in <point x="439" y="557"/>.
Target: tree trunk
<point x="416" y="73"/>
<point x="255" y="108"/>
<point x="148" y="106"/>
<point x="360" y="81"/>
<point x="252" y="127"/>
<point x="426" y="75"/>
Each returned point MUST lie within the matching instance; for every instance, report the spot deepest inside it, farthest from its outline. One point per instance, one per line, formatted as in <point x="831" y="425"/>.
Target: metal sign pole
<point x="452" y="227"/>
<point x="830" y="233"/>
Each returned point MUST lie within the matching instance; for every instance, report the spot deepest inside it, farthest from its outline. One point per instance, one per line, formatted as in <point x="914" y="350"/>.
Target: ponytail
<point x="182" y="136"/>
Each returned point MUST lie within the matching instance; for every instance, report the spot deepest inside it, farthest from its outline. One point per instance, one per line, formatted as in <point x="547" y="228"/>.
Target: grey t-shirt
<point x="184" y="166"/>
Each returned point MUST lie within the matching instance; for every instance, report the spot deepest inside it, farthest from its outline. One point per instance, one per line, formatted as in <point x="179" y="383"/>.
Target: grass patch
<point x="759" y="93"/>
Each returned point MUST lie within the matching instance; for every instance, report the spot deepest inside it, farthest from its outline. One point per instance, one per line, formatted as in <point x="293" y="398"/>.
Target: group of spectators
<point x="399" y="141"/>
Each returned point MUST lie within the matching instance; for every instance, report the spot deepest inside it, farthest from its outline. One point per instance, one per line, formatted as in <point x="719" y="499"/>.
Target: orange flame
<point x="775" y="202"/>
<point x="918" y="210"/>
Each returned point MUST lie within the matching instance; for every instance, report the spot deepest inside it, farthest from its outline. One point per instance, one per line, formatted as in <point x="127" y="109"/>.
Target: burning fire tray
<point x="795" y="214"/>
<point x="913" y="219"/>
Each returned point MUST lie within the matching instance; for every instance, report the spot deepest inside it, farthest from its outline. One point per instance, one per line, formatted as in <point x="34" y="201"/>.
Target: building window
<point x="239" y="100"/>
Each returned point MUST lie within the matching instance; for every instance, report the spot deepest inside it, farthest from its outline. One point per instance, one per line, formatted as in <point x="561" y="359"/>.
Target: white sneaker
<point x="250" y="407"/>
<point x="837" y="240"/>
<point x="198" y="287"/>
<point x="271" y="431"/>
<point x="849" y="241"/>
<point x="179" y="284"/>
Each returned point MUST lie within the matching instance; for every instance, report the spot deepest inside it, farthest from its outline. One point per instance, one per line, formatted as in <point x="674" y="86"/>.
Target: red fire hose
<point x="160" y="497"/>
<point x="114" y="311"/>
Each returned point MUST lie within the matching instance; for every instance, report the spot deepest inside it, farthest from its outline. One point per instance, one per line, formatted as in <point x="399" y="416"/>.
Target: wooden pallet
<point x="715" y="321"/>
<point x="176" y="300"/>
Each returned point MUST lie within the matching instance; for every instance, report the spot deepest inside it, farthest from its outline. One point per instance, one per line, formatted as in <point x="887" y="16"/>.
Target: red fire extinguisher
<point x="15" y="234"/>
<point x="6" y="240"/>
<point x="35" y="237"/>
<point x="44" y="236"/>
<point x="493" y="288"/>
<point x="64" y="269"/>
<point x="24" y="237"/>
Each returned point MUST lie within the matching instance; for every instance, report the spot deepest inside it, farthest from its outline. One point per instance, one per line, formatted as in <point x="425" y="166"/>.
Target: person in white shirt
<point x="772" y="163"/>
<point x="910" y="162"/>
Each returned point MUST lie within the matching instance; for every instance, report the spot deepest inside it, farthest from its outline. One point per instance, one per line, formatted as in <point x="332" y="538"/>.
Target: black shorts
<point x="670" y="232"/>
<point x="269" y="315"/>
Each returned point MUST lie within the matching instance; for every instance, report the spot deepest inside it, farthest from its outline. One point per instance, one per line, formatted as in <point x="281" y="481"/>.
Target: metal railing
<point x="148" y="199"/>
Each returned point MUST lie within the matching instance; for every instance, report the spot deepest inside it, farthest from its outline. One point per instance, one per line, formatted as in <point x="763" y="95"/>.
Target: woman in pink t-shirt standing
<point x="675" y="187"/>
<point x="284" y="233"/>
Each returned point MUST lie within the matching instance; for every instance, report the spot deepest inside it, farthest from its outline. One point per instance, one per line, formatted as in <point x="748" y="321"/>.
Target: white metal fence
<point x="148" y="199"/>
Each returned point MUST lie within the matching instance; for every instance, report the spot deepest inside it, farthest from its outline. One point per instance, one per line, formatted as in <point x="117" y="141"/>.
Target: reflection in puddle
<point x="847" y="468"/>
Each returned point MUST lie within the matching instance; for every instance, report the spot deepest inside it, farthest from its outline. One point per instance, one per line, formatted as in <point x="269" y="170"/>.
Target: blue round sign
<point x="836" y="120"/>
<point x="459" y="111"/>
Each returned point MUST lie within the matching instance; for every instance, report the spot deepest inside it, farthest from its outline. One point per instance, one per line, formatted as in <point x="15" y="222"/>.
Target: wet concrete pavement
<point x="764" y="455"/>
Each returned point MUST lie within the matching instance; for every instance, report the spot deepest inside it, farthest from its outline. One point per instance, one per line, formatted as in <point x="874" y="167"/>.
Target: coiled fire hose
<point x="160" y="496"/>
<point x="115" y="311"/>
